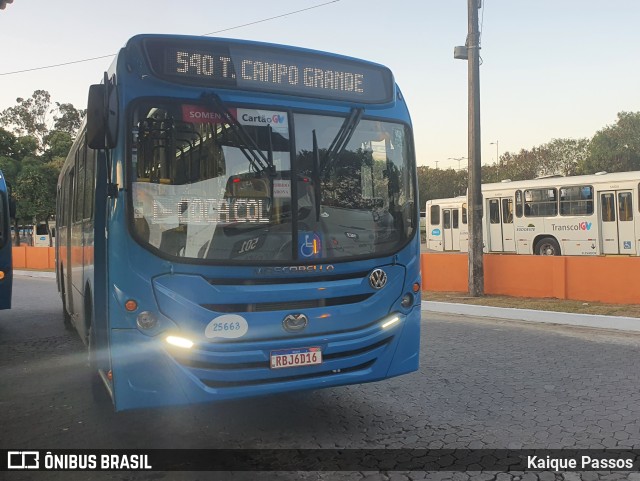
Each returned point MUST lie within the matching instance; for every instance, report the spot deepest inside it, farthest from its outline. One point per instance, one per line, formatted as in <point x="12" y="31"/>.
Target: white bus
<point x="582" y="215"/>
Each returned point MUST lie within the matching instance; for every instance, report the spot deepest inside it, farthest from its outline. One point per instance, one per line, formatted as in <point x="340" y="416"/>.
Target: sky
<point x="550" y="69"/>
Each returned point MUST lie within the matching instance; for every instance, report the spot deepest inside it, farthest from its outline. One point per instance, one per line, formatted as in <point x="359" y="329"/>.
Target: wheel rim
<point x="547" y="249"/>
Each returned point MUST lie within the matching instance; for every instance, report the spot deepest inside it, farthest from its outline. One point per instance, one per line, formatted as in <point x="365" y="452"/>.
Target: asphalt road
<point x="482" y="384"/>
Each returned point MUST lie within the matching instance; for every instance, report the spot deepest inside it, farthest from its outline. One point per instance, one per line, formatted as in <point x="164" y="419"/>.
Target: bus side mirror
<point x="96" y="118"/>
<point x="102" y="115"/>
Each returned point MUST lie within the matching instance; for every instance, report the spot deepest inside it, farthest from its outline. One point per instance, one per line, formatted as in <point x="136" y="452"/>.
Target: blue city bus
<point x="238" y="219"/>
<point x="6" y="266"/>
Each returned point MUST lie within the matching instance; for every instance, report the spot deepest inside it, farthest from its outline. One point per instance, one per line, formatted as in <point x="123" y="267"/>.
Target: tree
<point x="69" y="119"/>
<point x="440" y="183"/>
<point x="58" y="144"/>
<point x="562" y="156"/>
<point x="616" y="148"/>
<point x="29" y="116"/>
<point x="35" y="193"/>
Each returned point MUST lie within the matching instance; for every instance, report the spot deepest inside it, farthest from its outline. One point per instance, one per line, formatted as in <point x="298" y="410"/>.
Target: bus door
<point x="501" y="229"/>
<point x="451" y="229"/>
<point x="616" y="222"/>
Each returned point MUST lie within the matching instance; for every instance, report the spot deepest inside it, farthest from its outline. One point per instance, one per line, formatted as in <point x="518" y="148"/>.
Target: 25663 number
<point x="226" y="326"/>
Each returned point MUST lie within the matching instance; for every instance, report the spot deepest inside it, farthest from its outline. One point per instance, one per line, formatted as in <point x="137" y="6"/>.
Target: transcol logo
<point x="585" y="225"/>
<point x="580" y="226"/>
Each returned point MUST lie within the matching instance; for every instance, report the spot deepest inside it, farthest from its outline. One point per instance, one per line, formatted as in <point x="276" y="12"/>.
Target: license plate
<point x="303" y="356"/>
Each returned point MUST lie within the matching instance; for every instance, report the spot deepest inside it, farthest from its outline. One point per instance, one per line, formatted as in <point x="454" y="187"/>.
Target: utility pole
<point x="471" y="52"/>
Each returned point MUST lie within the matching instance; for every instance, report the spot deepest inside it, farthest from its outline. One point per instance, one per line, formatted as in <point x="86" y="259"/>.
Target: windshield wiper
<point x="343" y="137"/>
<point x="248" y="147"/>
<point x="316" y="174"/>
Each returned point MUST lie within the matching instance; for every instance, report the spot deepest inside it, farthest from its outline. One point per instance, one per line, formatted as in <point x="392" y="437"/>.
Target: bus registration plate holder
<point x="301" y="356"/>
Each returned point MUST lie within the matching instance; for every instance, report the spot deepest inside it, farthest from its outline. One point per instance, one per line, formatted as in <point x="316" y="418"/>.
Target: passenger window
<point x="494" y="211"/>
<point x="625" y="206"/>
<point x="608" y="207"/>
<point x="434" y="215"/>
<point x="446" y="219"/>
<point x="507" y="211"/>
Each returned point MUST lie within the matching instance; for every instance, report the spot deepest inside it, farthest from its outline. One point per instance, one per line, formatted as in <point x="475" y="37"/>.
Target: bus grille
<point x="286" y="305"/>
<point x="256" y="382"/>
<point x="247" y="373"/>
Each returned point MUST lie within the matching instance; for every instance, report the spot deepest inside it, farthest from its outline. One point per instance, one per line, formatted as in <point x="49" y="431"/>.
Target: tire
<point x="66" y="317"/>
<point x="547" y="246"/>
<point x="98" y="389"/>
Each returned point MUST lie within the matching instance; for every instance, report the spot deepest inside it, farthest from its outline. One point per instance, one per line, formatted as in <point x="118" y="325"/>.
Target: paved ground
<point x="482" y="384"/>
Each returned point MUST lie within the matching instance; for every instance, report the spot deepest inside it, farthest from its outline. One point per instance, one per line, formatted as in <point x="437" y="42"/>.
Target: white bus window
<point x="507" y="211"/>
<point x="464" y="214"/>
<point x="625" y="206"/>
<point x="608" y="208"/>
<point x="494" y="211"/>
<point x="540" y="203"/>
<point x="518" y="203"/>
<point x="446" y="219"/>
<point x="435" y="215"/>
<point x="576" y="200"/>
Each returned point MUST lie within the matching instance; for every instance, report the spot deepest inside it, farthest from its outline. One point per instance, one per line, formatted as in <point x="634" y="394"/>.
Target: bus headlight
<point x="407" y="300"/>
<point x="147" y="320"/>
<point x="391" y="321"/>
<point x="179" y="342"/>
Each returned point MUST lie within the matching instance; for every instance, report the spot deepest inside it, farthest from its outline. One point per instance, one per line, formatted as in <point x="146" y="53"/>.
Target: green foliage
<point x="35" y="193"/>
<point x="32" y="154"/>
<point x="440" y="183"/>
<point x="616" y="148"/>
<point x="58" y="144"/>
<point x="68" y="119"/>
<point x="29" y="116"/>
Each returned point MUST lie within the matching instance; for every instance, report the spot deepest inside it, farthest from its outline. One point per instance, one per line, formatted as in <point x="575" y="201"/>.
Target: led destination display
<point x="270" y="69"/>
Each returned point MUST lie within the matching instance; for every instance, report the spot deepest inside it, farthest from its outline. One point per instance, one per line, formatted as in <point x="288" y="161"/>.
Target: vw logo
<point x="295" y="322"/>
<point x="378" y="279"/>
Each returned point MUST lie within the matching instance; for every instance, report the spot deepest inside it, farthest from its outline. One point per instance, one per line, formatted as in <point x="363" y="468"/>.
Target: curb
<point x="549" y="317"/>
<point x="41" y="274"/>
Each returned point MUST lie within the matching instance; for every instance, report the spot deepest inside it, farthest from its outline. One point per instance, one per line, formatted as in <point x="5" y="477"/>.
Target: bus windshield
<point x="254" y="188"/>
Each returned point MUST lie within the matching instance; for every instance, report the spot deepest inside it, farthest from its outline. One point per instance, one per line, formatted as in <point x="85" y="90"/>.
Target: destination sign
<point x="270" y="69"/>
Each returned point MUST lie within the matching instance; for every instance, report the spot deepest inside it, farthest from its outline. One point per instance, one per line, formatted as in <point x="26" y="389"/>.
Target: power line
<point x="203" y="35"/>
<point x="271" y="18"/>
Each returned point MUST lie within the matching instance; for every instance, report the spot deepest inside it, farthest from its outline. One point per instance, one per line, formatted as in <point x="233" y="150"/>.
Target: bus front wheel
<point x="547" y="246"/>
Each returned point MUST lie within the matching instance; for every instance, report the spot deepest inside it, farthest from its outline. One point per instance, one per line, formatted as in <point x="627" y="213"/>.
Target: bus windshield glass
<point x="230" y="184"/>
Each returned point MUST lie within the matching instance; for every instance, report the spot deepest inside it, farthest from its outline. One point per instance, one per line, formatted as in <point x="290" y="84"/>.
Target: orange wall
<point x="40" y="258"/>
<point x="603" y="279"/>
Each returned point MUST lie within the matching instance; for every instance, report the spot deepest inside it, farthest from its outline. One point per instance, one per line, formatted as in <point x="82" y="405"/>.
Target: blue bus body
<point x="179" y="320"/>
<point x="6" y="266"/>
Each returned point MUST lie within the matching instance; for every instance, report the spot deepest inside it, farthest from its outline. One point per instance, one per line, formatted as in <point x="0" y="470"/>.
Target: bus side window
<point x="464" y="213"/>
<point x="435" y="215"/>
<point x="446" y="219"/>
<point x="518" y="203"/>
<point x="625" y="206"/>
<point x="507" y="211"/>
<point x="494" y="211"/>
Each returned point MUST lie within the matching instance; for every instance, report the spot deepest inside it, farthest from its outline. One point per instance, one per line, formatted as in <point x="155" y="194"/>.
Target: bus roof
<point x="556" y="181"/>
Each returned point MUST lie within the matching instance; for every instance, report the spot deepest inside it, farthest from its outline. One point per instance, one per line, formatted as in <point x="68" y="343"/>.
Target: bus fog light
<point x="147" y="320"/>
<point x="407" y="300"/>
<point x="179" y="342"/>
<point x="391" y="321"/>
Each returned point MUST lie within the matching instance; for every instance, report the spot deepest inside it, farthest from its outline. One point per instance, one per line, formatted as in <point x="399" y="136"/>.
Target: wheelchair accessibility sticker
<point x="309" y="245"/>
